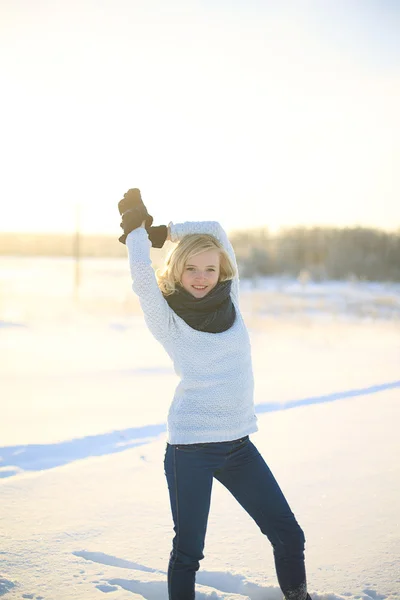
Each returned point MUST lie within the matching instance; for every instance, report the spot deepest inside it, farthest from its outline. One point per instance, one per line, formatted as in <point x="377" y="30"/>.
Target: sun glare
<point x="243" y="135"/>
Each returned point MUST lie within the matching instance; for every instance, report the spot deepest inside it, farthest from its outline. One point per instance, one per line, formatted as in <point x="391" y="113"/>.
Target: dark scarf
<point x="214" y="313"/>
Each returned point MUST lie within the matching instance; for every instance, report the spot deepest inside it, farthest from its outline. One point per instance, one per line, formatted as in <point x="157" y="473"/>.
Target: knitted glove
<point x="158" y="235"/>
<point x="133" y="213"/>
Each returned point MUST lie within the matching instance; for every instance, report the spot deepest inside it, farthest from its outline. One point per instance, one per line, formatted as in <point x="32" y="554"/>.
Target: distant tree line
<point x="324" y="253"/>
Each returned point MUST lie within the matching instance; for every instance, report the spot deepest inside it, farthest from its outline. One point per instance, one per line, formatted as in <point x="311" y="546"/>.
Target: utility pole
<point x="77" y="253"/>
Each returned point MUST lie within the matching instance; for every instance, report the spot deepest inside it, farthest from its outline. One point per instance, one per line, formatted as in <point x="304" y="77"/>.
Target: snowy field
<point x="85" y="391"/>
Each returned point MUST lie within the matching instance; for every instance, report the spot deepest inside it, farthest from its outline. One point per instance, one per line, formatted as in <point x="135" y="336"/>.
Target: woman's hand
<point x="132" y="200"/>
<point x="133" y="212"/>
<point x="158" y="235"/>
<point x="132" y="219"/>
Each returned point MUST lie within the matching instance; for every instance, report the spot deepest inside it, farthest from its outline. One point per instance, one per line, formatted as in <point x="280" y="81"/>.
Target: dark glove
<point x="132" y="219"/>
<point x="158" y="235"/>
<point x="131" y="199"/>
<point x="133" y="212"/>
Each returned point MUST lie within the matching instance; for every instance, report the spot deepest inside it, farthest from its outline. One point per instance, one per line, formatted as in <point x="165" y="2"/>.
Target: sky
<point x="256" y="114"/>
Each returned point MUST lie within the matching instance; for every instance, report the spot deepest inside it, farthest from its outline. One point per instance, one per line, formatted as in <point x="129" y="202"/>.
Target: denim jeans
<point x="190" y="470"/>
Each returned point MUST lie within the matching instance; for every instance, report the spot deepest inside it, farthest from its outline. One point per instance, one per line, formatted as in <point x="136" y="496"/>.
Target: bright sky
<point x="253" y="113"/>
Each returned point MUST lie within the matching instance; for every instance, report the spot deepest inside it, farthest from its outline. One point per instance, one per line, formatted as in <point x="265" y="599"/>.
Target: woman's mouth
<point x="199" y="287"/>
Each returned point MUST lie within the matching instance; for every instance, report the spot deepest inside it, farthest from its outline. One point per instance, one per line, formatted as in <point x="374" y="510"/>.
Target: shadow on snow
<point x="40" y="457"/>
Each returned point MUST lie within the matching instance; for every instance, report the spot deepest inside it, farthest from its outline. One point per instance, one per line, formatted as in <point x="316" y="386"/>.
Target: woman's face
<point x="201" y="270"/>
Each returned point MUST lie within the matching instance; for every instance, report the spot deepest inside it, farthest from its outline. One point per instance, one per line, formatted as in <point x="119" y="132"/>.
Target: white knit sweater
<point x="213" y="401"/>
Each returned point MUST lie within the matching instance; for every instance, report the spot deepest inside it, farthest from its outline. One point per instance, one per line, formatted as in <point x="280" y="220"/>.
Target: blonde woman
<point x="191" y="306"/>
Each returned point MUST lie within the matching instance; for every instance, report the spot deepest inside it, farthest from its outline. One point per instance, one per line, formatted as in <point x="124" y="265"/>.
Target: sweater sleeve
<point x="179" y="230"/>
<point x="156" y="310"/>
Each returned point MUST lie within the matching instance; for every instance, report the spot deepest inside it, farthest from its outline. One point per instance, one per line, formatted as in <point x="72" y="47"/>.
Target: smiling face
<point x="201" y="270"/>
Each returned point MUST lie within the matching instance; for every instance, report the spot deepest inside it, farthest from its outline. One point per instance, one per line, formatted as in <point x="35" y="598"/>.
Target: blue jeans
<point x="190" y="470"/>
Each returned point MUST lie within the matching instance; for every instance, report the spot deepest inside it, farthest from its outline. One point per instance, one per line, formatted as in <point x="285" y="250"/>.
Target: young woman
<point x="191" y="306"/>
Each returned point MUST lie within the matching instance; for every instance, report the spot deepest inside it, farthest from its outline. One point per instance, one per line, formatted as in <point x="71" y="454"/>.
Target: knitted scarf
<point x="213" y="313"/>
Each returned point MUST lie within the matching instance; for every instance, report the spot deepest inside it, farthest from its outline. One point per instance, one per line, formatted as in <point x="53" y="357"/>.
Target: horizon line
<point x="273" y="231"/>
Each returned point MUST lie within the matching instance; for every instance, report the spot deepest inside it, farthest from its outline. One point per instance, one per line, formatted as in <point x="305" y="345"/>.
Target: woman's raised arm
<point x="156" y="311"/>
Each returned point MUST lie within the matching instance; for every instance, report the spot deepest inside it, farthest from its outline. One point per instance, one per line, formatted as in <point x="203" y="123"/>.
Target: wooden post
<point x="77" y="253"/>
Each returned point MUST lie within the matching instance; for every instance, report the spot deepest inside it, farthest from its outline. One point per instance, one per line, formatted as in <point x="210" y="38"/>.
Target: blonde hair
<point x="190" y="245"/>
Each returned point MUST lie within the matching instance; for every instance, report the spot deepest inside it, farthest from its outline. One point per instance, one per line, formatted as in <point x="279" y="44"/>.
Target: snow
<point x="85" y="391"/>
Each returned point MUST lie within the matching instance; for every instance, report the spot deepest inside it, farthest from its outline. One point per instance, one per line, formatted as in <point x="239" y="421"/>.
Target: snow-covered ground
<point x="85" y="391"/>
